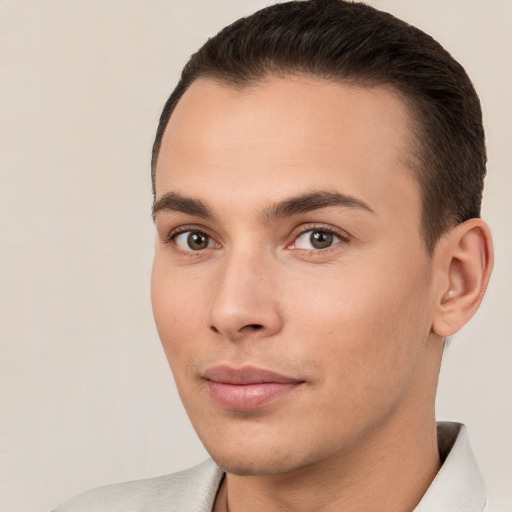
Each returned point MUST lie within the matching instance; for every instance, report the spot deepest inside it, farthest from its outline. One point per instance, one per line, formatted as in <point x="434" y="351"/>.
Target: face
<point x="291" y="288"/>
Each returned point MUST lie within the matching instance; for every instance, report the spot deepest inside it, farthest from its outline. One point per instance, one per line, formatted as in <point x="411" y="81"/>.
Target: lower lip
<point x="248" y="396"/>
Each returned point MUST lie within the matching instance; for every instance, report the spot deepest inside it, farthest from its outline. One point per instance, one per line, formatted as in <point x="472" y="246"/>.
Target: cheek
<point x="367" y="326"/>
<point x="177" y="305"/>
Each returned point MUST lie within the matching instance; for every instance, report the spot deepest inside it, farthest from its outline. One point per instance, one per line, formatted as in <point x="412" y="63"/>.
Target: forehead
<point x="286" y="134"/>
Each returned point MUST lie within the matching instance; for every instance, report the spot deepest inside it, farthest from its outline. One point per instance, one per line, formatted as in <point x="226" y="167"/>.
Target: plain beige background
<point x="86" y="397"/>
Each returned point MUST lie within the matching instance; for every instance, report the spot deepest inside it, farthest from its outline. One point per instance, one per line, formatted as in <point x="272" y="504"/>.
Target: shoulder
<point x="193" y="490"/>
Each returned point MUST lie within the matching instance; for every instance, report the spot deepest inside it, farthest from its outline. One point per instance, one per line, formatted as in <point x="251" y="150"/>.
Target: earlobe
<point x="464" y="260"/>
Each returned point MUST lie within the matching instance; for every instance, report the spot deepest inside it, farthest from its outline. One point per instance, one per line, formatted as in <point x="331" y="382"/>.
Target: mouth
<point x="247" y="387"/>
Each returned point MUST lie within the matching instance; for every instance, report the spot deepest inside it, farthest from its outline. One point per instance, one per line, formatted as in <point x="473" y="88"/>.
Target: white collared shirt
<point x="459" y="485"/>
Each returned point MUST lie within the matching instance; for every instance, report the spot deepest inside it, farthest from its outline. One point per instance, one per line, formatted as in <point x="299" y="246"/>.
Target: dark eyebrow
<point x="313" y="201"/>
<point x="175" y="202"/>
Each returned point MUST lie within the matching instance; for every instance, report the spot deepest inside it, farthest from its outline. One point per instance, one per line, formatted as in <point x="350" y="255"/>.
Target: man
<point x="317" y="176"/>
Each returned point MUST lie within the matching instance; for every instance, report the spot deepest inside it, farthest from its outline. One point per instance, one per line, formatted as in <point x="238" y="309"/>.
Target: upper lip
<point x="245" y="375"/>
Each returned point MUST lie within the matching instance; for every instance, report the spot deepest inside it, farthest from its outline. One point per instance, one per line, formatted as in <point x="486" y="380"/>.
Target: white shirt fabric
<point x="458" y="486"/>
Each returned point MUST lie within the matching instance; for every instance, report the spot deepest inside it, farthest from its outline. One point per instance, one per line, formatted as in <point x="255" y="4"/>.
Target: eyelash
<point x="342" y="235"/>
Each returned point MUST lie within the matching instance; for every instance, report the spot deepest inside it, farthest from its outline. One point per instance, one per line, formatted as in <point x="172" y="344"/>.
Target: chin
<point x="266" y="457"/>
<point x="249" y="466"/>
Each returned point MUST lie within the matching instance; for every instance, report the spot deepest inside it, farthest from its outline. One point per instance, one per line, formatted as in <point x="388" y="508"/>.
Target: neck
<point x="387" y="475"/>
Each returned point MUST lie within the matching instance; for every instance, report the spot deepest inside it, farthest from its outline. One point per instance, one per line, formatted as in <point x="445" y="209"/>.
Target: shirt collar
<point x="459" y="485"/>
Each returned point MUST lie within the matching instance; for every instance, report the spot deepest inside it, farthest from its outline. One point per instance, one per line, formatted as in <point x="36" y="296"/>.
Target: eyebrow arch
<point x="313" y="201"/>
<point x="175" y="202"/>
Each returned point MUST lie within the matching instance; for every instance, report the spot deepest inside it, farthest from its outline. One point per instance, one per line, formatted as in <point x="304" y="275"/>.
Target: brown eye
<point x="193" y="241"/>
<point x="197" y="241"/>
<point x="321" y="239"/>
<point x="316" y="239"/>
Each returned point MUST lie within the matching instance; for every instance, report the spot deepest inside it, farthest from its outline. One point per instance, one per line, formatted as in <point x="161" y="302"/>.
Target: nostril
<point x="246" y="328"/>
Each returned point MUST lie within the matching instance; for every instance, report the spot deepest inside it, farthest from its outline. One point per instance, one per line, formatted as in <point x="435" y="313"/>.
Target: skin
<point x="359" y="323"/>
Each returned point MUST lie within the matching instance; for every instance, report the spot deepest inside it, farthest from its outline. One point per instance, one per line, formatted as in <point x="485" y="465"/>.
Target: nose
<point x="245" y="301"/>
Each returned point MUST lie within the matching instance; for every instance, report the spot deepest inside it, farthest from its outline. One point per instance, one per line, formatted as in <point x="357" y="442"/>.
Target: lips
<point x="248" y="387"/>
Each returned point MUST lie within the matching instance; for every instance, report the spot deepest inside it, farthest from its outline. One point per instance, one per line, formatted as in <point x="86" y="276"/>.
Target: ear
<point x="464" y="259"/>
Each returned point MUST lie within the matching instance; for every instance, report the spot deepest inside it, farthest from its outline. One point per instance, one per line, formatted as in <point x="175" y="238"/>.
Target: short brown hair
<point x="356" y="44"/>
